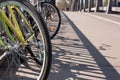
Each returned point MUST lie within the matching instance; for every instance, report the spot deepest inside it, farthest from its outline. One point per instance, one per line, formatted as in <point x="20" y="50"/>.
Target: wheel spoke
<point x="26" y="56"/>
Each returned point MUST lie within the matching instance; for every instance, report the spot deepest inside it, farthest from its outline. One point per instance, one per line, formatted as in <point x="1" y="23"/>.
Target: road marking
<point x="115" y="22"/>
<point x="114" y="15"/>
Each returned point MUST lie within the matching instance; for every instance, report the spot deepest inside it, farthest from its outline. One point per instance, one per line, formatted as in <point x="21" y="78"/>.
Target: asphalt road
<point x="87" y="47"/>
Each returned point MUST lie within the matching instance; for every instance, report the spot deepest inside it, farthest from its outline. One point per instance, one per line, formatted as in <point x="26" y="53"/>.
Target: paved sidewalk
<point x="76" y="58"/>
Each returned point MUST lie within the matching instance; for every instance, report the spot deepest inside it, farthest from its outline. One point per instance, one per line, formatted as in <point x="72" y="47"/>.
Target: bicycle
<point x="51" y="16"/>
<point x="25" y="47"/>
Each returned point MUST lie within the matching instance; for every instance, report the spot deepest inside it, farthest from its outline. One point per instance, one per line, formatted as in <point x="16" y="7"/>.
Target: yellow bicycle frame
<point x="14" y="26"/>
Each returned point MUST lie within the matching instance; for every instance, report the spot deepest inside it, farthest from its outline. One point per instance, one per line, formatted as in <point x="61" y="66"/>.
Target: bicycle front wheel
<point x="52" y="17"/>
<point x="29" y="61"/>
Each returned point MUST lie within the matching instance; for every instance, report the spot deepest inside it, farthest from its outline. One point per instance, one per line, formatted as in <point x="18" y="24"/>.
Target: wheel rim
<point x="51" y="17"/>
<point x="18" y="65"/>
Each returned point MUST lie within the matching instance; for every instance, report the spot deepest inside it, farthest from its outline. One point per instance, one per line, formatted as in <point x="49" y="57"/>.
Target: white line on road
<point x="114" y="15"/>
<point x="115" y="22"/>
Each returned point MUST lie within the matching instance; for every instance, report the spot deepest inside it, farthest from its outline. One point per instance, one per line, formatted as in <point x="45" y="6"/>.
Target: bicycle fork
<point x="14" y="27"/>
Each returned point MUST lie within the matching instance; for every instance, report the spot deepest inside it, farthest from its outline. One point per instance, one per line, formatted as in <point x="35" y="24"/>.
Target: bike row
<point x="25" y="39"/>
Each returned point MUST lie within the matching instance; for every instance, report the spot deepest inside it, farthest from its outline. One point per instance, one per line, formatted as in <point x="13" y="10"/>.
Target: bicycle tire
<point x="57" y="27"/>
<point x="40" y="44"/>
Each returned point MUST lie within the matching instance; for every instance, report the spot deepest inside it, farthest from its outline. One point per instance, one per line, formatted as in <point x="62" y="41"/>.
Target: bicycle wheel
<point x="28" y="62"/>
<point x="52" y="17"/>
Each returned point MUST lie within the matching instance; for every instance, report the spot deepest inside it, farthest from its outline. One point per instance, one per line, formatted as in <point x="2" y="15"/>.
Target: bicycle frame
<point x="14" y="26"/>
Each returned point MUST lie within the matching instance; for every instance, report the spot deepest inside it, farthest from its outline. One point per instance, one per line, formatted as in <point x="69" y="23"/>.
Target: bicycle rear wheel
<point x="28" y="62"/>
<point x="52" y="17"/>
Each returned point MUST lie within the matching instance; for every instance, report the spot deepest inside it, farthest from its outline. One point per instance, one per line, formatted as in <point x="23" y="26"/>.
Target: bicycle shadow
<point x="11" y="69"/>
<point x="76" y="58"/>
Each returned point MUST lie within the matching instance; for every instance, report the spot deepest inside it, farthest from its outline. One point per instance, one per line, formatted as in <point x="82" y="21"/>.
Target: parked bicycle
<point x="25" y="48"/>
<point x="50" y="14"/>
